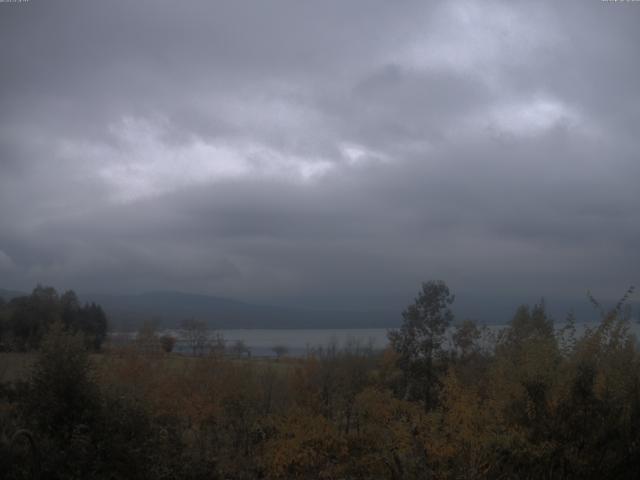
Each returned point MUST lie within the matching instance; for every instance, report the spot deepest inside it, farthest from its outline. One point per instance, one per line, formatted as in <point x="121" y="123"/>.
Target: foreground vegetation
<point x="533" y="401"/>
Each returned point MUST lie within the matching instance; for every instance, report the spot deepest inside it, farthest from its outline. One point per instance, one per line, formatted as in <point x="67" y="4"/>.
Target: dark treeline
<point x="25" y="319"/>
<point x="532" y="401"/>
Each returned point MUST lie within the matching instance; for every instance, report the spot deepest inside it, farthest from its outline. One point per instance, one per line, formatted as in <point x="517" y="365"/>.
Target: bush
<point x="167" y="342"/>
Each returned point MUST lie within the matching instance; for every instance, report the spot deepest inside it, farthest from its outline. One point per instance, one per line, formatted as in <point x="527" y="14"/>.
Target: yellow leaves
<point x="387" y="440"/>
<point x="462" y="430"/>
<point x="304" y="443"/>
<point x="190" y="389"/>
<point x="388" y="372"/>
<point x="341" y="417"/>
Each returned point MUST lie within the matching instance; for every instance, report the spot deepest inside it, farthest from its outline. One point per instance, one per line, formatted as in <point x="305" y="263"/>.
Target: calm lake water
<point x="260" y="342"/>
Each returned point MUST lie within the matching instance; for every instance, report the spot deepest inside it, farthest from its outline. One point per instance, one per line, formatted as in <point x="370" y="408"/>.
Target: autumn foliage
<point x="535" y="400"/>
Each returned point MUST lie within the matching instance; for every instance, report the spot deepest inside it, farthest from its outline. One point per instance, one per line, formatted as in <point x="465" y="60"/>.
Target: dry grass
<point x="16" y="366"/>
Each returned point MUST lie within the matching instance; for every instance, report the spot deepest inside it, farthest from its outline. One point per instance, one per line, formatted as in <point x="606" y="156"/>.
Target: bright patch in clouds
<point x="479" y="37"/>
<point x="527" y="118"/>
<point x="356" y="154"/>
<point x="139" y="163"/>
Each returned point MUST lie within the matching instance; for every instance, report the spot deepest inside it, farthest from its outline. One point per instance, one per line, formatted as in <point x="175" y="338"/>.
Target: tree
<point x="419" y="341"/>
<point x="465" y="338"/>
<point x="62" y="390"/>
<point x="70" y="309"/>
<point x="196" y="334"/>
<point x="4" y="316"/>
<point x="32" y="315"/>
<point x="81" y="430"/>
<point x="93" y="325"/>
<point x="147" y="340"/>
<point x="218" y="344"/>
<point x="239" y="348"/>
<point x="529" y="328"/>
<point x="305" y="445"/>
<point x="280" y="350"/>
<point x="89" y="319"/>
<point x="167" y="342"/>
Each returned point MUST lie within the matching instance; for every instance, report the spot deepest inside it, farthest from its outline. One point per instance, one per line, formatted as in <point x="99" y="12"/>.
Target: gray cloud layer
<point x="331" y="153"/>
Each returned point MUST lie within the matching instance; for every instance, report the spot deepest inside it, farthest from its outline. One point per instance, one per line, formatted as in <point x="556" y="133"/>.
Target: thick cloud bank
<point x="328" y="153"/>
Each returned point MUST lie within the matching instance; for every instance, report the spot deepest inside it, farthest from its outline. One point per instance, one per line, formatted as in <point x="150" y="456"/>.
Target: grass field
<point x="16" y="366"/>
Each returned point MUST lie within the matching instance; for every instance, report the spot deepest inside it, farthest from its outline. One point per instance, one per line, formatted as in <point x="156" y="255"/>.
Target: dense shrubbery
<point x="530" y="402"/>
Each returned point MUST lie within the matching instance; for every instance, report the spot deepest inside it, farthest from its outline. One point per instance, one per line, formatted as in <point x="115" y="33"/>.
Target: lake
<point x="298" y="342"/>
<point x="260" y="342"/>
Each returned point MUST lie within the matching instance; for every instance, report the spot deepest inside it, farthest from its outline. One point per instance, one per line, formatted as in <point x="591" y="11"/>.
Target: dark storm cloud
<point x="320" y="152"/>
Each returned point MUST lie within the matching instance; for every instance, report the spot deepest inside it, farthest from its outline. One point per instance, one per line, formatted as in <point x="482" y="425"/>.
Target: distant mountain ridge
<point x="168" y="308"/>
<point x="9" y="294"/>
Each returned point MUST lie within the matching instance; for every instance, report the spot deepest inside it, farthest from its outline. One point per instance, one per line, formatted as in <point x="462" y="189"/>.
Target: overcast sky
<point x="331" y="153"/>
